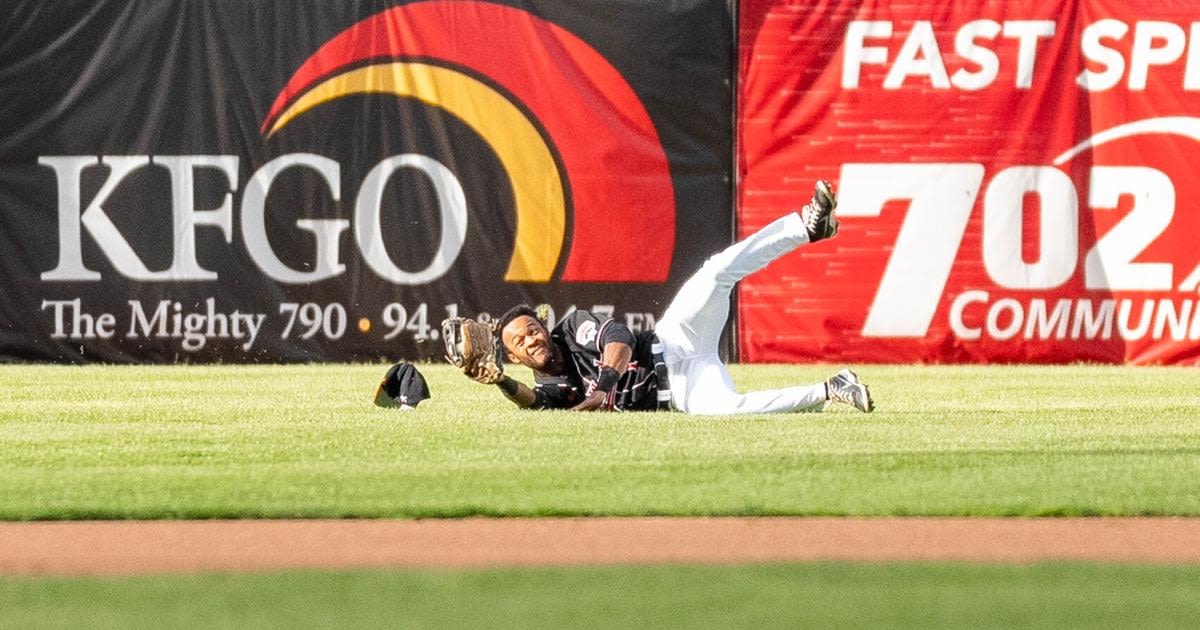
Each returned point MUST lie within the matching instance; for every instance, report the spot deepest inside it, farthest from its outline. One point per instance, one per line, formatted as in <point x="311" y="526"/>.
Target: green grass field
<point x="769" y="596"/>
<point x="305" y="441"/>
<point x="287" y="441"/>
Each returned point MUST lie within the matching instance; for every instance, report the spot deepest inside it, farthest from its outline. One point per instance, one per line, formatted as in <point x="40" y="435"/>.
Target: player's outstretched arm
<point x="516" y="391"/>
<point x="596" y="401"/>
<point x="613" y="363"/>
<point x="617" y="355"/>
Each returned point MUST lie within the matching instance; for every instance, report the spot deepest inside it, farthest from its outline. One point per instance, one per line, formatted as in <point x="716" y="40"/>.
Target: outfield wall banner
<point x="314" y="181"/>
<point x="1017" y="180"/>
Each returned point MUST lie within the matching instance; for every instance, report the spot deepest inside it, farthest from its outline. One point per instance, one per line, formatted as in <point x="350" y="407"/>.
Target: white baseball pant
<point x="690" y="330"/>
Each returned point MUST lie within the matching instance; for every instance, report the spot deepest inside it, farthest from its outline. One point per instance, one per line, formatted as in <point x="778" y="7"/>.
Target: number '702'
<point x="942" y="196"/>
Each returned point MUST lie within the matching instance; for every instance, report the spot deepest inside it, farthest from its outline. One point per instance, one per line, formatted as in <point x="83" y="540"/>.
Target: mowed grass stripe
<point x="305" y="441"/>
<point x="771" y="596"/>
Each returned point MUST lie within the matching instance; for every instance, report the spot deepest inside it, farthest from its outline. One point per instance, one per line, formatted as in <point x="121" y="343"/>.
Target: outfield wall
<point x="299" y="181"/>
<point x="1016" y="179"/>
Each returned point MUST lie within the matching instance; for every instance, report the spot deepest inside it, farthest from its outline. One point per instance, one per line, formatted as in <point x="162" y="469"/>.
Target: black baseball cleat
<point x="844" y="387"/>
<point x="818" y="214"/>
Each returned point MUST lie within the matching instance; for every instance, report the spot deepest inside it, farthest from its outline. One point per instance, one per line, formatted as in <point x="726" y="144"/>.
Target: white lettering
<point x="252" y="323"/>
<point x="326" y="231"/>
<point x="1040" y="323"/>
<point x="856" y="53"/>
<point x="1095" y="51"/>
<point x="1177" y="320"/>
<point x="59" y="323"/>
<point x="1003" y="213"/>
<point x="193" y="337"/>
<point x="941" y="196"/>
<point x="1146" y="54"/>
<point x="1109" y="265"/>
<point x="1016" y="315"/>
<point x="1191" y="76"/>
<point x="186" y="217"/>
<point x="1123" y="315"/>
<point x="195" y="329"/>
<point x="1079" y="318"/>
<point x="919" y="56"/>
<point x="216" y="320"/>
<point x="69" y="170"/>
<point x="1027" y="32"/>
<point x="988" y="62"/>
<point x="452" y="205"/>
<point x="1090" y="323"/>
<point x="138" y="317"/>
<point x="958" y="307"/>
<point x="83" y="325"/>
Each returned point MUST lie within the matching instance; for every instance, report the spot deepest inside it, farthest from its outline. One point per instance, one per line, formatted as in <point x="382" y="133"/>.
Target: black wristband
<point x="607" y="380"/>
<point x="508" y="385"/>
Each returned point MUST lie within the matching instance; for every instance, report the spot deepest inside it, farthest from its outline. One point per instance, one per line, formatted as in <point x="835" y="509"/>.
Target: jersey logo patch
<point x="586" y="333"/>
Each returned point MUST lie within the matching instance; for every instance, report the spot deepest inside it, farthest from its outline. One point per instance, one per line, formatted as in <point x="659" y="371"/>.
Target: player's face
<point x="527" y="342"/>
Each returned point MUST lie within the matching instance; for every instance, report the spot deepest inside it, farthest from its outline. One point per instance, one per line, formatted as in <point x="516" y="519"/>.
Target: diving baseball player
<point x="592" y="362"/>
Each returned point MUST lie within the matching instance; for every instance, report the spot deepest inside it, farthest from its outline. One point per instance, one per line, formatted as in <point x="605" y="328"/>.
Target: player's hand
<point x="485" y="374"/>
<point x="597" y="401"/>
<point x="474" y="348"/>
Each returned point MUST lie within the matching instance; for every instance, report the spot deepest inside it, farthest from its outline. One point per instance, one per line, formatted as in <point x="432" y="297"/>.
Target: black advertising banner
<point x="309" y="181"/>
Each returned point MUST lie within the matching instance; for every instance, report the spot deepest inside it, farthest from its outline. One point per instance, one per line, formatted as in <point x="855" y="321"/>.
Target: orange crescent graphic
<point x="537" y="186"/>
<point x="608" y="157"/>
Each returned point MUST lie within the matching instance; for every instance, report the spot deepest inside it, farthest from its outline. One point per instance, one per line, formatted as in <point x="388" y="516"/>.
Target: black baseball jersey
<point x="581" y="337"/>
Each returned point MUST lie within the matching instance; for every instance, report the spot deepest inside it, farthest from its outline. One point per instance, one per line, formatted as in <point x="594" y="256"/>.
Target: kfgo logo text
<point x="588" y="173"/>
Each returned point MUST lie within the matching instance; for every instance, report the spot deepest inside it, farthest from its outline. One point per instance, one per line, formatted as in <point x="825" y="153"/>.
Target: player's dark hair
<point x="515" y="312"/>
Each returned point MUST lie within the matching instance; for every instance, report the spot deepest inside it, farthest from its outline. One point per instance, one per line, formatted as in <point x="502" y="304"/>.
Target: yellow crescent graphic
<point x="537" y="187"/>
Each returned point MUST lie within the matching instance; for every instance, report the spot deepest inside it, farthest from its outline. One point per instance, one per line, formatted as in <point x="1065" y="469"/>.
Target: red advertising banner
<point x="1017" y="180"/>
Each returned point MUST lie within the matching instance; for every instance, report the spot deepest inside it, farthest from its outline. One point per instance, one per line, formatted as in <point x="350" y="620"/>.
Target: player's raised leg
<point x="819" y="218"/>
<point x="693" y="322"/>
<point x="691" y="327"/>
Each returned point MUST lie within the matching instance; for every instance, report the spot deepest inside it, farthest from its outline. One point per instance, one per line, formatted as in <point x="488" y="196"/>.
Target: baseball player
<point x="592" y="362"/>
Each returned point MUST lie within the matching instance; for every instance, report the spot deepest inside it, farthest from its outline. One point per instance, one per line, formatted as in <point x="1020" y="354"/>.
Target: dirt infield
<point x="147" y="547"/>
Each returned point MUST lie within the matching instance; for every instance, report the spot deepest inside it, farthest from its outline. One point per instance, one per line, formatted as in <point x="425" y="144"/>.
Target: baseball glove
<point x="474" y="348"/>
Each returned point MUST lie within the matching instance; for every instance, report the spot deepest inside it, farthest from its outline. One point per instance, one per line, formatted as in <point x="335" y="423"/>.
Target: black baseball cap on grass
<point x="402" y="386"/>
